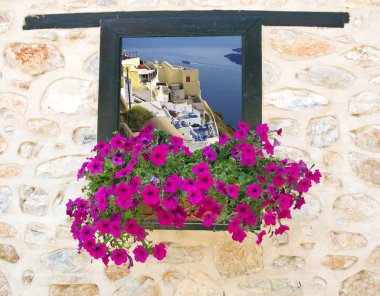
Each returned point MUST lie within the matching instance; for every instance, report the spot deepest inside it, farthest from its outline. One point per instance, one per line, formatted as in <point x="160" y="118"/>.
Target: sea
<point x="218" y="60"/>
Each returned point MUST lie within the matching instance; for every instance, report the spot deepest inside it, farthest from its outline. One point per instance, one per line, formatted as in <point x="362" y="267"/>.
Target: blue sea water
<point x="220" y="78"/>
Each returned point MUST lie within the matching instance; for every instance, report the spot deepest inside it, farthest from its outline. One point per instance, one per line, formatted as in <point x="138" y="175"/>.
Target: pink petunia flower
<point x="131" y="227"/>
<point x="278" y="180"/>
<point x="89" y="244"/>
<point x="159" y="251"/>
<point x="119" y="256"/>
<point x="117" y="141"/>
<point x="223" y="139"/>
<point x="281" y="229"/>
<point x="170" y="202"/>
<point x="205" y="181"/>
<point x="284" y="214"/>
<point x="135" y="183"/>
<point x="208" y="220"/>
<point x="123" y="190"/>
<point x="232" y="191"/>
<point x="165" y="218"/>
<point x="316" y="176"/>
<point x="127" y="146"/>
<point x="118" y="159"/>
<point x="239" y="235"/>
<point x="248" y="160"/>
<point x="240" y="134"/>
<point x="179" y="221"/>
<point x="271" y="190"/>
<point x="187" y="184"/>
<point x="243" y="125"/>
<point x="141" y="234"/>
<point x="150" y="195"/>
<point x="285" y="200"/>
<point x="260" y="236"/>
<point x="220" y="186"/>
<point x="271" y="168"/>
<point x="116" y="229"/>
<point x="209" y="154"/>
<point x="170" y="185"/>
<point x="176" y="141"/>
<point x="262" y="131"/>
<point x="234" y="224"/>
<point x="95" y="166"/>
<point x="270" y="218"/>
<point x="104" y="226"/>
<point x="141" y="254"/>
<point x="261" y="178"/>
<point x="253" y="190"/>
<point x="304" y="185"/>
<point x="250" y="220"/>
<point x="124" y="202"/>
<point x="243" y="210"/>
<point x="187" y="151"/>
<point x="99" y="251"/>
<point x="82" y="170"/>
<point x="201" y="167"/>
<point x="86" y="232"/>
<point x="158" y="156"/>
<point x="299" y="203"/>
<point x="194" y="195"/>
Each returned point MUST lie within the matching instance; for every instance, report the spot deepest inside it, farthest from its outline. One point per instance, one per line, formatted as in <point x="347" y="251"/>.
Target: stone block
<point x="296" y="44"/>
<point x="365" y="168"/>
<point x="362" y="283"/>
<point x="6" y="20"/>
<point x="364" y="103"/>
<point x="70" y="96"/>
<point x="140" y="286"/>
<point x="364" y="56"/>
<point x="61" y="167"/>
<point x="296" y="99"/>
<point x="356" y="207"/>
<point x="327" y="76"/>
<point x="10" y="170"/>
<point x="339" y="262"/>
<point x="236" y="259"/>
<point x="33" y="200"/>
<point x="198" y="284"/>
<point x="322" y="131"/>
<point x="12" y="105"/>
<point x="33" y="58"/>
<point x="343" y="241"/>
<point x="367" y="137"/>
<point x="8" y="253"/>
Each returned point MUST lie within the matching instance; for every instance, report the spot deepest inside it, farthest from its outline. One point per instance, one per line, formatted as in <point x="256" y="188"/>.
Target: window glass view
<point x="188" y="87"/>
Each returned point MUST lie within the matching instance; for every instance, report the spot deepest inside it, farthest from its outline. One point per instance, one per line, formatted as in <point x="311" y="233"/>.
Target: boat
<point x="185" y="62"/>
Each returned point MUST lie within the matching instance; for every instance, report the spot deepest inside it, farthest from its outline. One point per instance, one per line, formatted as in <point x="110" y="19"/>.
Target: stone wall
<point x="321" y="85"/>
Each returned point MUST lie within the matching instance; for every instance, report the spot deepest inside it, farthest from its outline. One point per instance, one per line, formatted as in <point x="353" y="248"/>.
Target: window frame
<point x="226" y="24"/>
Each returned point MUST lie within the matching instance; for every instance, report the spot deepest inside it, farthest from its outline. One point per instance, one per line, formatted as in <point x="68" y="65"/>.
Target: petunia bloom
<point x="270" y="218"/>
<point x="159" y="251"/>
<point x="151" y="195"/>
<point x="201" y="167"/>
<point x="119" y="256"/>
<point x="253" y="190"/>
<point x="232" y="191"/>
<point x="141" y="254"/>
<point x="158" y="156"/>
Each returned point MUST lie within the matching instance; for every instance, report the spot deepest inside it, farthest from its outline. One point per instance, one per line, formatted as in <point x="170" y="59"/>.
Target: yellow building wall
<point x="169" y="74"/>
<point x="131" y="62"/>
<point x="193" y="87"/>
